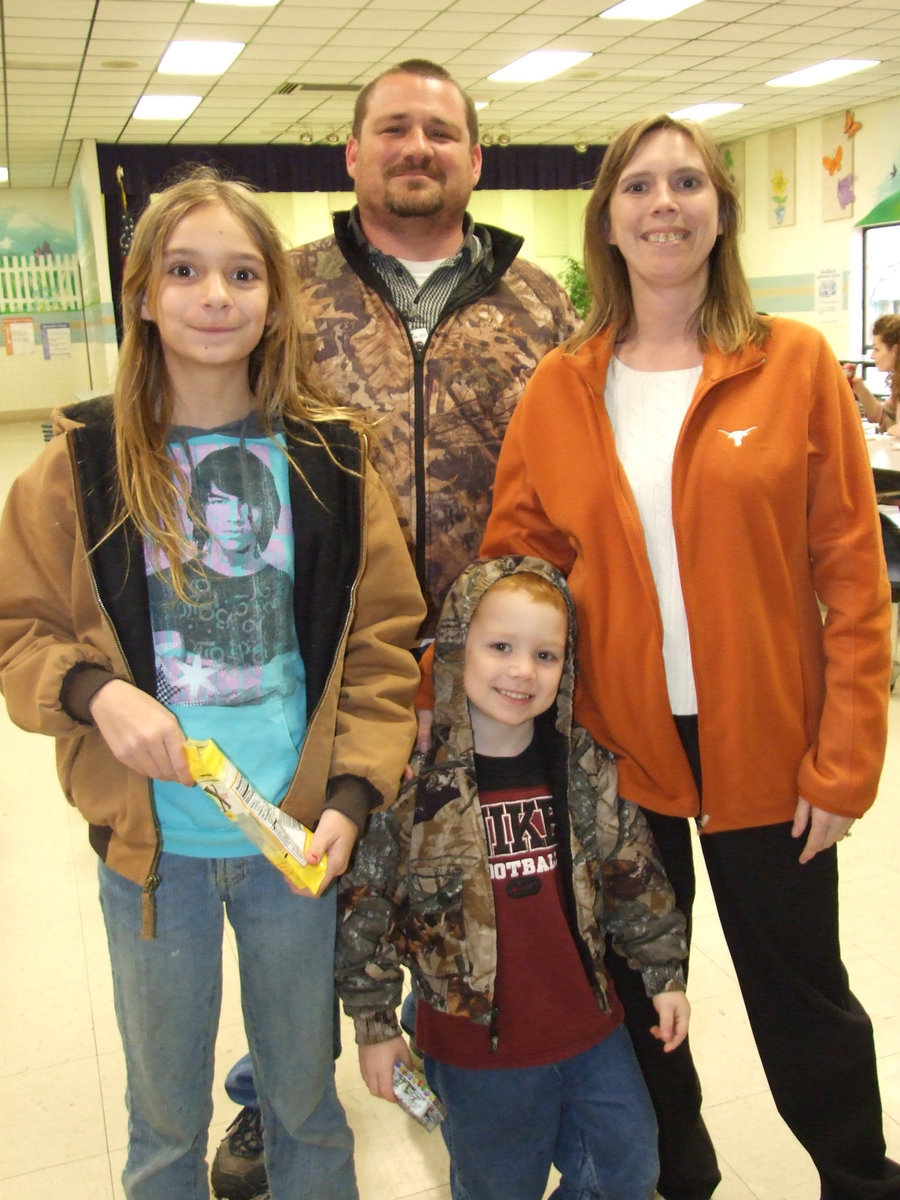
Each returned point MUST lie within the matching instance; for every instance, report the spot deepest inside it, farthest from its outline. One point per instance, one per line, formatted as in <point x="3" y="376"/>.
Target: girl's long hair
<point x="150" y="485"/>
<point x="887" y="327"/>
<point x="726" y="317"/>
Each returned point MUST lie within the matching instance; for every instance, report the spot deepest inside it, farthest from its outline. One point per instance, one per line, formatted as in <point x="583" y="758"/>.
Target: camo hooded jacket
<point x="440" y="411"/>
<point x="419" y="891"/>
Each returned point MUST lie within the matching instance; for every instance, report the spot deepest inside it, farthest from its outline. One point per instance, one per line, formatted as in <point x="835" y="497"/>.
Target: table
<point x="884" y="455"/>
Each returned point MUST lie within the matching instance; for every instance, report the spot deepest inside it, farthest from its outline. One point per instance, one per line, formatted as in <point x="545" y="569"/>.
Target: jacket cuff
<point x="666" y="978"/>
<point x="79" y="687"/>
<point x="353" y="796"/>
<point x="374" y="1027"/>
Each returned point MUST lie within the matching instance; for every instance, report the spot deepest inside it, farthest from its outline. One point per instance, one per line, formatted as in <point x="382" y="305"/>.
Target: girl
<point x="119" y="636"/>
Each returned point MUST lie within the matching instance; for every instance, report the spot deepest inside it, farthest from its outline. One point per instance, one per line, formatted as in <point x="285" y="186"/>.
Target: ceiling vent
<point x="288" y="89"/>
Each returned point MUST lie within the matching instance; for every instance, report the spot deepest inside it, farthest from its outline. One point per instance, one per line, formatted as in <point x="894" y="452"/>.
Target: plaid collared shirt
<point x="421" y="307"/>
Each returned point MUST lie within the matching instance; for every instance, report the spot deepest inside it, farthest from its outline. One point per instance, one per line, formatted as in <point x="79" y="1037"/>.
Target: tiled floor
<point x="61" y="1108"/>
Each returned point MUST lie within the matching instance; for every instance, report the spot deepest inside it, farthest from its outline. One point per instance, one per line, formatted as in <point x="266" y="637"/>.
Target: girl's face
<point x="884" y="357"/>
<point x="212" y="301"/>
<point x="664" y="213"/>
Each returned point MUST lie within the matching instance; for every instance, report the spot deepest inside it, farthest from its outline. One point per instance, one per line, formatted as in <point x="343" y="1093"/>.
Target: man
<point x="431" y="324"/>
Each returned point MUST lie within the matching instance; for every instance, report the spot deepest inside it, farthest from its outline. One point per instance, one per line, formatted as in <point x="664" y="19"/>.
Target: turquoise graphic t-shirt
<point x="228" y="664"/>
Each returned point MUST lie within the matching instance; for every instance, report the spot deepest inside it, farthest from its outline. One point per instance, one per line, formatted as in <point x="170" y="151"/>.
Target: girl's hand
<point x="674" y="1016"/>
<point x="376" y="1065"/>
<point x="335" y="836"/>
<point x="141" y="732"/>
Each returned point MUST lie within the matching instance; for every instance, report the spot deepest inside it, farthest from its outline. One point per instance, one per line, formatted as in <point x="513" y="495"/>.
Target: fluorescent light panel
<point x="646" y="10"/>
<point x="540" y="64"/>
<point x="705" y="112"/>
<point x="199" y="58"/>
<point x="823" y="72"/>
<point x="165" y="108"/>
<point x="4" y="174"/>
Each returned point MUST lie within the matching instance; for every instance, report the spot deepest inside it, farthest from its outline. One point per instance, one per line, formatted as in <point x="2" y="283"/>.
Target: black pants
<point x="780" y="920"/>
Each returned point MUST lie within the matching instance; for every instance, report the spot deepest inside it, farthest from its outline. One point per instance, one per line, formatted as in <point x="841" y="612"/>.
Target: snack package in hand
<point x="416" y="1097"/>
<point x="282" y="839"/>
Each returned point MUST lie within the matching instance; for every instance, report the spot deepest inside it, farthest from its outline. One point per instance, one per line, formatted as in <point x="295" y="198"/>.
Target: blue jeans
<point x="590" y="1116"/>
<point x="168" y="994"/>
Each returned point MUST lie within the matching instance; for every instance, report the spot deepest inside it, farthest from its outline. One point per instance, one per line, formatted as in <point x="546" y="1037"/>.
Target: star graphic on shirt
<point x="195" y="678"/>
<point x="738" y="435"/>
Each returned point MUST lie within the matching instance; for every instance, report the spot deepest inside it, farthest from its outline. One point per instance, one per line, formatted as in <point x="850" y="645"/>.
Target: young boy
<point x="495" y="877"/>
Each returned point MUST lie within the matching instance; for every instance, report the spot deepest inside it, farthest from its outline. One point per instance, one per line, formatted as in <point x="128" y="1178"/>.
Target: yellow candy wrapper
<point x="282" y="839"/>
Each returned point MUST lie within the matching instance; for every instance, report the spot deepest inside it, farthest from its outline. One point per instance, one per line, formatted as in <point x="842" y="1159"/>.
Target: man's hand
<point x="376" y="1065"/>
<point x="674" y="1016"/>
<point x="825" y="828"/>
<point x="141" y="732"/>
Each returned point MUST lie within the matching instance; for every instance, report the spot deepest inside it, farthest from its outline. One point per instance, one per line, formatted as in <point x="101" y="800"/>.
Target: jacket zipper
<point x="351" y="605"/>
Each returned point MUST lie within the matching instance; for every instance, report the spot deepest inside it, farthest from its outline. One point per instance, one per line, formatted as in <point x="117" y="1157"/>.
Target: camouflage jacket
<point x="440" y="413"/>
<point x="419" y="893"/>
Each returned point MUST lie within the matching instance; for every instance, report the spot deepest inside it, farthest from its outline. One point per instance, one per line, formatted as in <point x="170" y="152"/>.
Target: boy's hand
<point x="141" y="733"/>
<point x="674" y="1015"/>
<point x="376" y="1065"/>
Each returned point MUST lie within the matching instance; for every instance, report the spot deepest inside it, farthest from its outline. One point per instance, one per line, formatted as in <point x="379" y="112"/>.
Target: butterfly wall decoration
<point x="851" y="125"/>
<point x="833" y="165"/>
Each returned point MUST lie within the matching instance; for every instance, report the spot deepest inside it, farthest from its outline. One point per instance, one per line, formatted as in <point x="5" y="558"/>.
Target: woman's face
<point x="884" y="357"/>
<point x="664" y="213"/>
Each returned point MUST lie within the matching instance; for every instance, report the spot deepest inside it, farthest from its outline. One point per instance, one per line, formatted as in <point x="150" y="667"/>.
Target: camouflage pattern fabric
<point x="418" y="892"/>
<point x="440" y="417"/>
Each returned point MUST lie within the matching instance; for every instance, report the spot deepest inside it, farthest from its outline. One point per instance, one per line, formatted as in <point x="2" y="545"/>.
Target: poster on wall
<point x="782" y="177"/>
<point x="18" y="335"/>
<point x="56" y="339"/>
<point x="829" y="300"/>
<point x="838" y="133"/>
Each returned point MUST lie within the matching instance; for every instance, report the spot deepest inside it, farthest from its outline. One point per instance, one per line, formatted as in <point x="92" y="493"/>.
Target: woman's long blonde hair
<point x="726" y="317"/>
<point x="149" y="482"/>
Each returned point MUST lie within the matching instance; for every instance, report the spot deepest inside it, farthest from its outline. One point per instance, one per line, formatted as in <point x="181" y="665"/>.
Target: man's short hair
<point x="428" y="70"/>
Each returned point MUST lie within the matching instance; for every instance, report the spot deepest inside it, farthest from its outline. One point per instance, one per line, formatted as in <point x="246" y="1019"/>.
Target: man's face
<point x="413" y="157"/>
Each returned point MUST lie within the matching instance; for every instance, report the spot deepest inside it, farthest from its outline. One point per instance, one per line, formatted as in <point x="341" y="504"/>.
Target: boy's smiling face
<point x="515" y="652"/>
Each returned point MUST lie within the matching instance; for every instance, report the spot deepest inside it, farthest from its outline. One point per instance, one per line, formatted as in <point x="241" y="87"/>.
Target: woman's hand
<point x="825" y="828"/>
<point x="674" y="1017"/>
<point x="376" y="1064"/>
<point x="141" y="732"/>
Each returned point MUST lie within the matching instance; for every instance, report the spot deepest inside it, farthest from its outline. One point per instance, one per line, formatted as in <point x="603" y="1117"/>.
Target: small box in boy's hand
<point x="416" y="1098"/>
<point x="282" y="839"/>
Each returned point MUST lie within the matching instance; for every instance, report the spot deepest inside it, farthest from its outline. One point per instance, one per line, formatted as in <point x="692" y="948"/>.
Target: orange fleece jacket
<point x="788" y="705"/>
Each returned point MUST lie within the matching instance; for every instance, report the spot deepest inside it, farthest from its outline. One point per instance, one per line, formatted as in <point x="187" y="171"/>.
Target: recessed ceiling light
<point x="199" y="58"/>
<point x="646" y="10"/>
<point x="538" y="65"/>
<point x="703" y="112"/>
<point x="823" y="72"/>
<point x="165" y="108"/>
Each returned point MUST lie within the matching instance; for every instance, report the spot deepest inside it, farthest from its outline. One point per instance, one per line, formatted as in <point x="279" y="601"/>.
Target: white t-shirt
<point x="647" y="410"/>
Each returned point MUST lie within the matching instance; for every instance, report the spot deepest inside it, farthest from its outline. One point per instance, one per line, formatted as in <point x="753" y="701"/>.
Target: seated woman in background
<point x="885" y="343"/>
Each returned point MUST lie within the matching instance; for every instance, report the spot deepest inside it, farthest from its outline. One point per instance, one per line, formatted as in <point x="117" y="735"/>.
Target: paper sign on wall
<point x="56" y="339"/>
<point x="18" y="335"/>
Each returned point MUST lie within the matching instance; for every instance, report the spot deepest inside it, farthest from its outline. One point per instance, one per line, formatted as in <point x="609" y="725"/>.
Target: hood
<point x="451" y="714"/>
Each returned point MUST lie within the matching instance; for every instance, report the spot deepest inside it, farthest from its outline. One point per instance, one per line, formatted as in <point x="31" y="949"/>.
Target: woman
<point x="699" y="474"/>
<point x="885" y="345"/>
